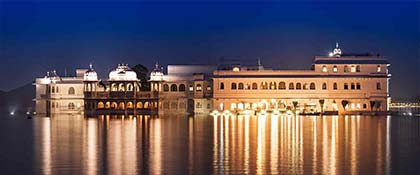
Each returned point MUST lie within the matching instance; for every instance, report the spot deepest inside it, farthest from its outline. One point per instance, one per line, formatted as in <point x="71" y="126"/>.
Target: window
<point x="353" y="68"/>
<point x="53" y="89"/>
<point x="173" y="87"/>
<point x="241" y="86"/>
<point x="233" y="86"/>
<point x="198" y="105"/>
<point x="273" y="85"/>
<point x="346" y="86"/>
<point x="312" y="86"/>
<point x="208" y="105"/>
<point x="358" y="86"/>
<point x="378" y="68"/>
<point x="101" y="105"/>
<point x="182" y="87"/>
<point x="247" y="86"/>
<point x="352" y="86"/>
<point x="324" y="69"/>
<point x="298" y="86"/>
<point x="335" y="69"/>
<point x="305" y="86"/>
<point x="191" y="87"/>
<point x="346" y="68"/>
<point x="165" y="87"/>
<point x="71" y="91"/>
<point x="208" y="87"/>
<point x="254" y="86"/>
<point x="378" y="86"/>
<point x="71" y="105"/>
<point x="357" y="68"/>
<point x="291" y="86"/>
<point x="222" y="85"/>
<point x="199" y="88"/>
<point x="282" y="85"/>
<point x="324" y="86"/>
<point x="364" y="106"/>
<point x="264" y="85"/>
<point x="335" y="87"/>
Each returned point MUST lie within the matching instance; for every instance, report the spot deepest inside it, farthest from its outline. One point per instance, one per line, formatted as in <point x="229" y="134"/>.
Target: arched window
<point x="71" y="91"/>
<point x="324" y="86"/>
<point x="233" y="86"/>
<point x="198" y="105"/>
<point x="264" y="85"/>
<point x="273" y="85"/>
<point x="166" y="87"/>
<point x="114" y="105"/>
<point x="71" y="106"/>
<point x="282" y="85"/>
<point x="107" y="105"/>
<point x="182" y="87"/>
<point x="378" y="68"/>
<point x="254" y="86"/>
<point x="352" y="86"/>
<point x="130" y="87"/>
<point x="346" y="68"/>
<point x="291" y="86"/>
<point x="324" y="69"/>
<point x="358" y="86"/>
<point x="378" y="86"/>
<point x="312" y="86"/>
<point x="222" y="85"/>
<point x="146" y="105"/>
<point x="298" y="86"/>
<point x="198" y="88"/>
<point x="121" y="87"/>
<point x="53" y="89"/>
<point x="208" y="87"/>
<point x="353" y="68"/>
<point x="335" y="87"/>
<point x="129" y="105"/>
<point x="305" y="86"/>
<point x="346" y="86"/>
<point x="101" y="105"/>
<point x="114" y="87"/>
<point x="139" y="105"/>
<point x="121" y="105"/>
<point x="357" y="68"/>
<point x="233" y="106"/>
<point x="241" y="86"/>
<point x="173" y="87"/>
<point x="335" y="69"/>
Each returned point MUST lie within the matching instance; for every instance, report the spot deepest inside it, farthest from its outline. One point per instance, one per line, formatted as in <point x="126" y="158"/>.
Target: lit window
<point x="191" y="88"/>
<point x="353" y="68"/>
<point x="208" y="87"/>
<point x="335" y="69"/>
<point x="378" y="68"/>
<point x="199" y="88"/>
<point x="324" y="69"/>
<point x="235" y="69"/>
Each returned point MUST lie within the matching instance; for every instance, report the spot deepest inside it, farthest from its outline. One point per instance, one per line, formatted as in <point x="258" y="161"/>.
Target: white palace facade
<point x="337" y="83"/>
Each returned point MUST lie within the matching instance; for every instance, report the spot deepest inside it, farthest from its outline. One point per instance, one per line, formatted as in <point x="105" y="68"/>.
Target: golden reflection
<point x="274" y="148"/>
<point x="261" y="145"/>
<point x="91" y="139"/>
<point x="156" y="146"/>
<point x="46" y="146"/>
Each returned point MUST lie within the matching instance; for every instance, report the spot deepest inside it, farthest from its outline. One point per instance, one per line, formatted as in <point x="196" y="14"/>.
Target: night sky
<point x="38" y="36"/>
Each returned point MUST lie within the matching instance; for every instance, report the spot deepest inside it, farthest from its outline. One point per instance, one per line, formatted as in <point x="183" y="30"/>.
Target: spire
<point x="337" y="51"/>
<point x="259" y="61"/>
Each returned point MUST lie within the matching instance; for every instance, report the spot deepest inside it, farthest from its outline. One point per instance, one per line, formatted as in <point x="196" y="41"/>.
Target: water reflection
<point x="215" y="144"/>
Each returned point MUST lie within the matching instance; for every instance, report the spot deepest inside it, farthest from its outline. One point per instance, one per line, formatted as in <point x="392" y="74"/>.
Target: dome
<point x="156" y="74"/>
<point x="123" y="73"/>
<point x="90" y="75"/>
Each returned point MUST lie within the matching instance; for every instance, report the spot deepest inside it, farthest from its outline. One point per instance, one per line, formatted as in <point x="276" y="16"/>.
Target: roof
<point x="340" y="61"/>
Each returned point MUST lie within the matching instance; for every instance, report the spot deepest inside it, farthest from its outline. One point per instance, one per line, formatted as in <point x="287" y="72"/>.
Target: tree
<point x="344" y="103"/>
<point x="142" y="73"/>
<point x="321" y="103"/>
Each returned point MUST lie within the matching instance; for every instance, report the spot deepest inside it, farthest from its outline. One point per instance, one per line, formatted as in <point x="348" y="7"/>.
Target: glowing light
<point x="12" y="113"/>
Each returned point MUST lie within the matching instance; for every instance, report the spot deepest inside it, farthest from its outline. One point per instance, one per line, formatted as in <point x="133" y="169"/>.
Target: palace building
<point x="337" y="83"/>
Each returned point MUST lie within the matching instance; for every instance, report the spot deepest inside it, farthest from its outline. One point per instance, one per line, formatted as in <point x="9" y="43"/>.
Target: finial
<point x="336" y="45"/>
<point x="259" y="61"/>
<point x="336" y="52"/>
<point x="90" y="65"/>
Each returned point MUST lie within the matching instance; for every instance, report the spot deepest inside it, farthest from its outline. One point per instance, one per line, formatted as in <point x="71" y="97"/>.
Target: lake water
<point x="210" y="145"/>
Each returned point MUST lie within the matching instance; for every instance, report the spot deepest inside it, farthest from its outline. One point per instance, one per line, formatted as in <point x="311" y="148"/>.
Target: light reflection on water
<point x="220" y="145"/>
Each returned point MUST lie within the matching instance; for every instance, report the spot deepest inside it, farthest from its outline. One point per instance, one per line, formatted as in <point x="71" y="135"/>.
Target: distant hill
<point x="19" y="99"/>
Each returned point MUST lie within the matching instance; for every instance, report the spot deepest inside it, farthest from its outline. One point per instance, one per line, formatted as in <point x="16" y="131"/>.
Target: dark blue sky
<point x="37" y="36"/>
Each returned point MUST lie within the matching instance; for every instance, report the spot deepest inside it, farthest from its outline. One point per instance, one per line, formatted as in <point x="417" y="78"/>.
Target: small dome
<point x="123" y="73"/>
<point x="337" y="51"/>
<point x="156" y="74"/>
<point x="90" y="74"/>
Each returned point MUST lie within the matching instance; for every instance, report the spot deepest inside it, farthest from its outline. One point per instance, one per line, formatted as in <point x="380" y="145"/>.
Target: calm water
<point x="210" y="145"/>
